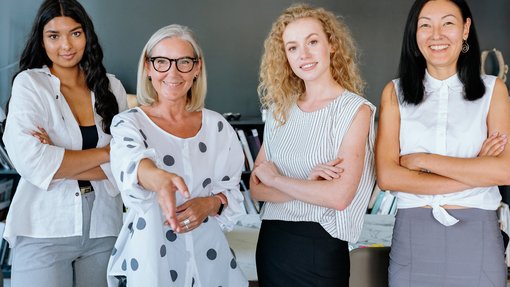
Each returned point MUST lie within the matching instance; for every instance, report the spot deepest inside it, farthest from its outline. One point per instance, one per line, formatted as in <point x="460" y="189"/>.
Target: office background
<point x="231" y="33"/>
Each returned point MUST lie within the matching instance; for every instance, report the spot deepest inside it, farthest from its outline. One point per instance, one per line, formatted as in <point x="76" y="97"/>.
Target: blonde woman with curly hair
<point x="315" y="170"/>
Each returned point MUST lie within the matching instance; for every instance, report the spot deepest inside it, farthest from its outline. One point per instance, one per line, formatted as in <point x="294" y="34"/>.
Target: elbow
<point x="343" y="202"/>
<point x="383" y="182"/>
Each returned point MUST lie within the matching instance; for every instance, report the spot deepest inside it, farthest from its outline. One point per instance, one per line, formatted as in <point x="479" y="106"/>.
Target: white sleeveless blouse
<point x="446" y="124"/>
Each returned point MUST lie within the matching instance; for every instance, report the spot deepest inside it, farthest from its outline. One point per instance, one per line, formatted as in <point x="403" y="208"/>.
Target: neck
<point x="169" y="109"/>
<point x="442" y="73"/>
<point x="323" y="90"/>
<point x="69" y="76"/>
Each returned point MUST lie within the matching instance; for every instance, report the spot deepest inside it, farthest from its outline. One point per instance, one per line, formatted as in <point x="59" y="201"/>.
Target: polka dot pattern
<point x="173" y="275"/>
<point x="233" y="263"/>
<point x="206" y="219"/>
<point x="171" y="236"/>
<point x="143" y="134"/>
<point x="134" y="264"/>
<point x="131" y="167"/>
<point x="114" y="251"/>
<point x="225" y="178"/>
<point x="211" y="254"/>
<point x="121" y="176"/>
<point x="220" y="126"/>
<point x="162" y="250"/>
<point x="118" y="123"/>
<point x="168" y="160"/>
<point x="130" y="146"/>
<point x="202" y="147"/>
<point x="128" y="139"/>
<point x="140" y="225"/>
<point x="124" y="265"/>
<point x="206" y="182"/>
<point x="133" y="111"/>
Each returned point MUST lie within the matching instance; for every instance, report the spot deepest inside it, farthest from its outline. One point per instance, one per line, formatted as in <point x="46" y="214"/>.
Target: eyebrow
<point x="307" y="37"/>
<point x="448" y="15"/>
<point x="72" y="30"/>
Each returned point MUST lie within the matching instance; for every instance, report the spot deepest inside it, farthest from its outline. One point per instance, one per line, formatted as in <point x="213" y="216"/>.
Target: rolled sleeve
<point x="34" y="161"/>
<point x="228" y="175"/>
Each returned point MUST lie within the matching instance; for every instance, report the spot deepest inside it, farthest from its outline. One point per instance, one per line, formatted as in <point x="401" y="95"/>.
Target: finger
<point x="170" y="214"/>
<point x="334" y="161"/>
<point x="181" y="186"/>
<point x="495" y="146"/>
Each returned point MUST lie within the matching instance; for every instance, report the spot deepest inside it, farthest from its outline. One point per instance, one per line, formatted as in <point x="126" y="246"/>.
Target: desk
<point x="377" y="229"/>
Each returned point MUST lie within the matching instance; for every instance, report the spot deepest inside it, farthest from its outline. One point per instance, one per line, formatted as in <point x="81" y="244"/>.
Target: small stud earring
<point x="150" y="78"/>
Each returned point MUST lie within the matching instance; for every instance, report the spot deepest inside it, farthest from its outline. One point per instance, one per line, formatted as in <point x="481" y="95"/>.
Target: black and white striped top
<point x="308" y="139"/>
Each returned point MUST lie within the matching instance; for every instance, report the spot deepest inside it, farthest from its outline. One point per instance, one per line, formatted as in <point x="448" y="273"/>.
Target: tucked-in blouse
<point x="147" y="251"/>
<point x="311" y="138"/>
<point x="44" y="207"/>
<point x="446" y="124"/>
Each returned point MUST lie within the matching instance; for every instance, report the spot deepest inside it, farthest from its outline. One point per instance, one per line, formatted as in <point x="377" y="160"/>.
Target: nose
<point x="66" y="44"/>
<point x="436" y="32"/>
<point x="305" y="52"/>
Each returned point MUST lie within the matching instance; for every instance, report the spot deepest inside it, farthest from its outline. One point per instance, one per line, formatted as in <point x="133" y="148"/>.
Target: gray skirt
<point x="426" y="253"/>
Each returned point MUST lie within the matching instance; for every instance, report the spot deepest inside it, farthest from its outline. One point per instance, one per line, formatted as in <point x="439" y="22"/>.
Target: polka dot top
<point x="148" y="252"/>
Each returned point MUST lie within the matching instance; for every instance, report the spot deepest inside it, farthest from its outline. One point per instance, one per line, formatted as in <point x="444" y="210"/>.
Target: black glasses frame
<point x="193" y="60"/>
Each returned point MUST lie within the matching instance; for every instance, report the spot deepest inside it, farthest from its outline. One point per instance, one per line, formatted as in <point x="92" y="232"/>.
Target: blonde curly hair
<point x="279" y="87"/>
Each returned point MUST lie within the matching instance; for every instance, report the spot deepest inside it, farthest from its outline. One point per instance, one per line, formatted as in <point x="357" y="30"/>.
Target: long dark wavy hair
<point x="412" y="63"/>
<point x="34" y="54"/>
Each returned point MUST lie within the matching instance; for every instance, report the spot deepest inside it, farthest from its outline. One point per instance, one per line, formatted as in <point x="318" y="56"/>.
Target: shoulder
<point x="39" y="76"/>
<point x="390" y="92"/>
<point x="215" y="119"/>
<point x="354" y="101"/>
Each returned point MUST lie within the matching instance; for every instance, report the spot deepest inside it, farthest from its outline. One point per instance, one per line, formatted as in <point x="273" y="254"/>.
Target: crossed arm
<point x="268" y="184"/>
<point x="423" y="173"/>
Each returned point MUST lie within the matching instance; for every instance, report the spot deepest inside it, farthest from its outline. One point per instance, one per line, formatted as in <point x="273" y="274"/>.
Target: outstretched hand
<point x="170" y="184"/>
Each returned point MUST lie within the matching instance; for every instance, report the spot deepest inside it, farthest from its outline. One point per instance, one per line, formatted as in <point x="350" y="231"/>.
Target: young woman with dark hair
<point x="66" y="212"/>
<point x="441" y="149"/>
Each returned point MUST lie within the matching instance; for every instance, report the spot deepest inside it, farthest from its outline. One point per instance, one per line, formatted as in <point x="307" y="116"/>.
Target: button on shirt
<point x="44" y="207"/>
<point x="446" y="124"/>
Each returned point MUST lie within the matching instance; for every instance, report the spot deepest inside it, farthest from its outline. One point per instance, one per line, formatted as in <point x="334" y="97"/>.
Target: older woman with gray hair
<point x="178" y="166"/>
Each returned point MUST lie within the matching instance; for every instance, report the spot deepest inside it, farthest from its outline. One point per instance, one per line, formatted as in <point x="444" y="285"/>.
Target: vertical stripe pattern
<point x="308" y="139"/>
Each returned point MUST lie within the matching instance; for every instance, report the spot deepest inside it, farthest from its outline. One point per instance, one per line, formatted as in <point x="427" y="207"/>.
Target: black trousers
<point x="300" y="254"/>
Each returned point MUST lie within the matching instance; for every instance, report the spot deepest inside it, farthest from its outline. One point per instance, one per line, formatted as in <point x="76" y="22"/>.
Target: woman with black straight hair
<point x="441" y="149"/>
<point x="66" y="212"/>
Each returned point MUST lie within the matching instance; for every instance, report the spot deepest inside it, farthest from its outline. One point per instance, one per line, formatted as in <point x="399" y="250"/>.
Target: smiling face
<point x="308" y="50"/>
<point x="439" y="35"/>
<point x="64" y="42"/>
<point x="172" y="84"/>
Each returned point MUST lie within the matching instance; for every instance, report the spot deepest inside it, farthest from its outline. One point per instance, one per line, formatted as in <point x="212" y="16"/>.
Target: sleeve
<point x="35" y="162"/>
<point x="228" y="170"/>
<point x="120" y="95"/>
<point x="127" y="149"/>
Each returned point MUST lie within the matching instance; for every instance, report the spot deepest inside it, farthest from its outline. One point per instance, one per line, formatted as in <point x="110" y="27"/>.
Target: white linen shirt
<point x="44" y="207"/>
<point x="147" y="251"/>
<point x="446" y="124"/>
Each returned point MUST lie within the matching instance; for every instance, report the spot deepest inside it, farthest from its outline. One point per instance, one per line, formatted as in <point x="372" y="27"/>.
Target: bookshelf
<point x="250" y="132"/>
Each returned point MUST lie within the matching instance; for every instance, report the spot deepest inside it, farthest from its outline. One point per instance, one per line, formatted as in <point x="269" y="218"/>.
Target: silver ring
<point x="187" y="227"/>
<point x="186" y="221"/>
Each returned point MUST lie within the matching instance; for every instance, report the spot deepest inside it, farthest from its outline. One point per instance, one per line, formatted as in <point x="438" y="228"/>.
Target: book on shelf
<point x="5" y="161"/>
<point x="385" y="203"/>
<point x="246" y="148"/>
<point x="251" y="205"/>
<point x="375" y="193"/>
<point x="6" y="185"/>
<point x="254" y="143"/>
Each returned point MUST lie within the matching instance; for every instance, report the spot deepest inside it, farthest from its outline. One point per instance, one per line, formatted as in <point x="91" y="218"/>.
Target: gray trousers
<point x="63" y="262"/>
